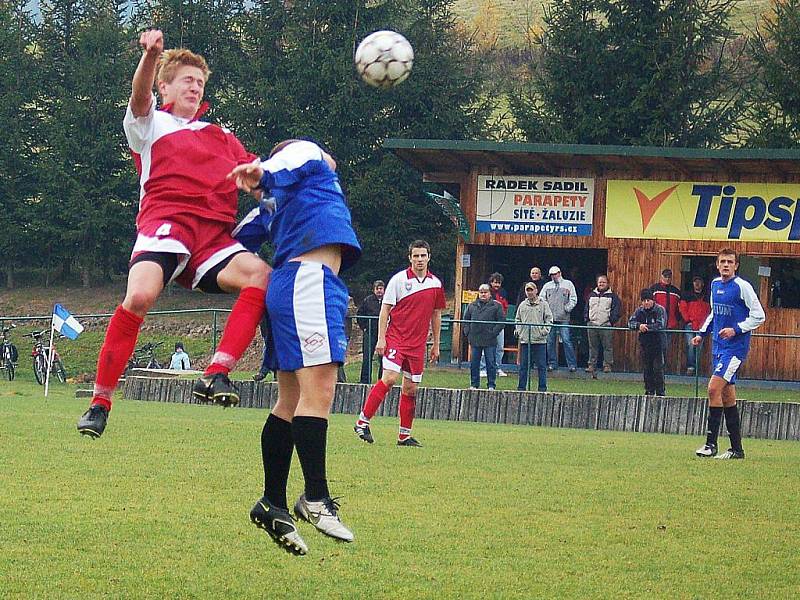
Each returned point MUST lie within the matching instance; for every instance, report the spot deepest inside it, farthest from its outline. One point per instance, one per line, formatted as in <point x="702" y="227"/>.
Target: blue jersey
<point x="254" y="230"/>
<point x="310" y="209"/>
<point x="734" y="304"/>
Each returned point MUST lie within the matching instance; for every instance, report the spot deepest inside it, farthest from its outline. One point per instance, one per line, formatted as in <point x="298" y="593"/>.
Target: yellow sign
<point x="468" y="296"/>
<point x="751" y="212"/>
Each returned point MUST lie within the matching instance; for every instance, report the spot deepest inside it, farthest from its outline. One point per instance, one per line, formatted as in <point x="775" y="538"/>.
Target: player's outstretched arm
<point x="152" y="43"/>
<point x="247" y="176"/>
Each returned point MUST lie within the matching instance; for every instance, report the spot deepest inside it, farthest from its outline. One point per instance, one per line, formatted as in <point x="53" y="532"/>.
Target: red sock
<point x="121" y="336"/>
<point x="239" y="330"/>
<point x="376" y="396"/>
<point x="406" y="409"/>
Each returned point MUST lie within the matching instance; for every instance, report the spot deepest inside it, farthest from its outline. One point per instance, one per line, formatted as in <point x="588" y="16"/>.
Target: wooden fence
<point x="687" y="416"/>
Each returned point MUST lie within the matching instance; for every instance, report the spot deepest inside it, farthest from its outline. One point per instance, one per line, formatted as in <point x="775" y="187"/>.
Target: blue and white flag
<point x="65" y="324"/>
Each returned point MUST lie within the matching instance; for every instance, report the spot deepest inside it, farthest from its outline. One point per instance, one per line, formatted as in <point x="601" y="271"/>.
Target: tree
<point x="649" y="72"/>
<point x="89" y="197"/>
<point x="18" y="178"/>
<point x="775" y="119"/>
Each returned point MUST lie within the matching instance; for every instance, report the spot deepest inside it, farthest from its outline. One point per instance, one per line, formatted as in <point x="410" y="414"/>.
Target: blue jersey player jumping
<point x="311" y="231"/>
<point x="735" y="313"/>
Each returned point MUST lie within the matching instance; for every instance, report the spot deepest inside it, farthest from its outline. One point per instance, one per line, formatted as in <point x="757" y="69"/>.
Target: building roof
<point x="433" y="157"/>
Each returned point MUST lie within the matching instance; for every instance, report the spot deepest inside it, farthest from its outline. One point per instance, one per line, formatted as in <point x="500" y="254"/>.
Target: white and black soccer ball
<point x="384" y="59"/>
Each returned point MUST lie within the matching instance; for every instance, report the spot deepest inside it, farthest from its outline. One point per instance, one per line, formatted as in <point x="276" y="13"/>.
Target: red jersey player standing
<point x="412" y="304"/>
<point x="187" y="211"/>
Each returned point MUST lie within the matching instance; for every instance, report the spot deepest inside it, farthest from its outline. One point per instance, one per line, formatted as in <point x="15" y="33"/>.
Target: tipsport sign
<point x="524" y="204"/>
<point x="748" y="212"/>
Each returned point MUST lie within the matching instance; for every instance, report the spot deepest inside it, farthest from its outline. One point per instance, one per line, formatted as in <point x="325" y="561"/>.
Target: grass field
<point x="158" y="507"/>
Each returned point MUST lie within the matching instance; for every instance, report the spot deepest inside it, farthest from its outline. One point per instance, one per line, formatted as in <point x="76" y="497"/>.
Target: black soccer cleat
<point x="279" y="525"/>
<point x="93" y="422"/>
<point x="216" y="389"/>
<point x="364" y="433"/>
<point x="409" y="441"/>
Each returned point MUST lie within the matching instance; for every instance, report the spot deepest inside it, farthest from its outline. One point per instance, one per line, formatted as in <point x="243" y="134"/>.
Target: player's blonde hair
<point x="174" y="58"/>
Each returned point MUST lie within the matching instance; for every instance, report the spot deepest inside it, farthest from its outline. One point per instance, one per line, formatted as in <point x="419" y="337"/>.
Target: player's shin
<point x="120" y="340"/>
<point x="239" y="331"/>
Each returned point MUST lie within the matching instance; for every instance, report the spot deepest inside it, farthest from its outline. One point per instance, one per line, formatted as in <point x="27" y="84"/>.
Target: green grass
<point x="157" y="508"/>
<point x="583" y="384"/>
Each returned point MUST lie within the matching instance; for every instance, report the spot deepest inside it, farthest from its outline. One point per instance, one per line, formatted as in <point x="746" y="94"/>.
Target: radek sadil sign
<point x="756" y="212"/>
<point x="534" y="205"/>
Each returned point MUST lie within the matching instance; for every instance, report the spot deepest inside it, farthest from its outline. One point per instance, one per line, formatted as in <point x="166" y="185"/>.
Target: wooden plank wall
<point x="636" y="263"/>
<point x="685" y="416"/>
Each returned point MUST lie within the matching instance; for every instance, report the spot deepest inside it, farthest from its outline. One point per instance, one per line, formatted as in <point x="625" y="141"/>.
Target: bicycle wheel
<point x="39" y="368"/>
<point x="153" y="364"/>
<point x="58" y="369"/>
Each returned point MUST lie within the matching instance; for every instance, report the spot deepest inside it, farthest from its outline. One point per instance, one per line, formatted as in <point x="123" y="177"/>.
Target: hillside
<point x="511" y="15"/>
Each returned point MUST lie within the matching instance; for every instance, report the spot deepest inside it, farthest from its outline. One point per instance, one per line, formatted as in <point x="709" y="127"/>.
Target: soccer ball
<point x="384" y="59"/>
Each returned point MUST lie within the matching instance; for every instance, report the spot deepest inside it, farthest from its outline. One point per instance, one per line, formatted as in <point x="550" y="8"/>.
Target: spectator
<point x="499" y="295"/>
<point x="370" y="307"/>
<point x="180" y="360"/>
<point x="649" y="320"/>
<point x="482" y="337"/>
<point x="603" y="309"/>
<point x="533" y="338"/>
<point x="668" y="297"/>
<point x="694" y="308"/>
<point x="536" y="279"/>
<point x="560" y="294"/>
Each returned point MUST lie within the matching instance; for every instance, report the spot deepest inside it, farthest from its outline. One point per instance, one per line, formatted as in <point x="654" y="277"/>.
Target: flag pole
<point x="49" y="358"/>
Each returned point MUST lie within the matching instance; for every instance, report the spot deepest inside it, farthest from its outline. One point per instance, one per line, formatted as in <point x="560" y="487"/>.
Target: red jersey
<point x="182" y="165"/>
<point x="414" y="301"/>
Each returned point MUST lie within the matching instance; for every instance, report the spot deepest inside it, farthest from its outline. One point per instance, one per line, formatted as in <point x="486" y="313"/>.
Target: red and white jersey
<point x="182" y="164"/>
<point x="414" y="301"/>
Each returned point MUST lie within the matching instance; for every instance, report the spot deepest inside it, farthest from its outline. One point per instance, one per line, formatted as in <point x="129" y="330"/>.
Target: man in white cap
<point x="560" y="295"/>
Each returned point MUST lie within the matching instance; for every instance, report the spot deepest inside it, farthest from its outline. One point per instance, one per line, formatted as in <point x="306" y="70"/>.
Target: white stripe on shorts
<point x="213" y="260"/>
<point x="308" y="302"/>
<point x="733" y="366"/>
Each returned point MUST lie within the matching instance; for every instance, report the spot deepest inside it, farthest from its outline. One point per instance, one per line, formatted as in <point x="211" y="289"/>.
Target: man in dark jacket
<point x="370" y="307"/>
<point x="603" y="309"/>
<point x="482" y="337"/>
<point x="667" y="296"/>
<point x="649" y="320"/>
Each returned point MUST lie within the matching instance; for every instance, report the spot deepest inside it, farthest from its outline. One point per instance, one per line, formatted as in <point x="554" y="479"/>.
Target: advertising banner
<point x="534" y="204"/>
<point x="751" y="212"/>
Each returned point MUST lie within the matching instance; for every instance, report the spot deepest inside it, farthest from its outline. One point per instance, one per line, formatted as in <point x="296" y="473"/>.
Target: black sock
<point x="714" y="420"/>
<point x="311" y="438"/>
<point x="734" y="428"/>
<point x="276" y="453"/>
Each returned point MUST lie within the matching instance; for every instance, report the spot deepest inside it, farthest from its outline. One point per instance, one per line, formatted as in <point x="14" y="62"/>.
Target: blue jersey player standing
<point x="735" y="313"/>
<point x="313" y="239"/>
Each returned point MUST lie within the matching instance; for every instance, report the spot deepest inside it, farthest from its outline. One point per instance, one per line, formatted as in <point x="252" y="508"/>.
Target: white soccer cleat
<point x="323" y="515"/>
<point x="731" y="454"/>
<point x="706" y="451"/>
<point x="501" y="373"/>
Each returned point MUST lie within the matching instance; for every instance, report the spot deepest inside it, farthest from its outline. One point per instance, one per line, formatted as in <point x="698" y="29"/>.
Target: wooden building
<point x="629" y="212"/>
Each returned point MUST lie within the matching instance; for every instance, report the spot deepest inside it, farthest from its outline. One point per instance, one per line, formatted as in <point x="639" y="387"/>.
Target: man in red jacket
<point x="667" y="296"/>
<point x="694" y="308"/>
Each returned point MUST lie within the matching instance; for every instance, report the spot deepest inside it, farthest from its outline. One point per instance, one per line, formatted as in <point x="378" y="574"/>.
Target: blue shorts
<point x="307" y="306"/>
<point x="726" y="365"/>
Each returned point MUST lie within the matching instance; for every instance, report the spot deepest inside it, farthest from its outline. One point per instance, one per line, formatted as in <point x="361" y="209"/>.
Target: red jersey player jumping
<point x="412" y="304"/>
<point x="187" y="211"/>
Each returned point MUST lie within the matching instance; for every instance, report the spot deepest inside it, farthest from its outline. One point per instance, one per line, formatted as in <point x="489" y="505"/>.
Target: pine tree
<point x="647" y="72"/>
<point x="775" y="118"/>
<point x="18" y="177"/>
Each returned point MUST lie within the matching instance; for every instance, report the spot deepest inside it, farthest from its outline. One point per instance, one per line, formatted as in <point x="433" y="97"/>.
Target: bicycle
<point x="144" y="357"/>
<point x="41" y="355"/>
<point x="9" y="355"/>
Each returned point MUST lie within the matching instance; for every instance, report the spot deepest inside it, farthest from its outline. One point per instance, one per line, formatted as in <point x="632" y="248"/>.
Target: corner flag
<point x="65" y="324"/>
